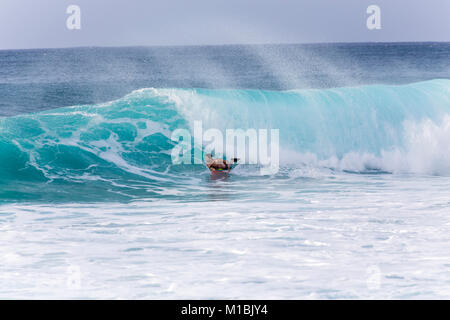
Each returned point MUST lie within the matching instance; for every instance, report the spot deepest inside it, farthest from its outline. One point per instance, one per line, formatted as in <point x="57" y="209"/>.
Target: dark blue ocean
<point x="92" y="205"/>
<point x="35" y="80"/>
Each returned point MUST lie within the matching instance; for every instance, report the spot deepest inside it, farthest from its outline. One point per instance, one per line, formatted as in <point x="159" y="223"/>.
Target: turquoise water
<point x="93" y="207"/>
<point x="121" y="150"/>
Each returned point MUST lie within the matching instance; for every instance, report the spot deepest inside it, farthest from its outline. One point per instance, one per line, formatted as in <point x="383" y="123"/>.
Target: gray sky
<point x="42" y="23"/>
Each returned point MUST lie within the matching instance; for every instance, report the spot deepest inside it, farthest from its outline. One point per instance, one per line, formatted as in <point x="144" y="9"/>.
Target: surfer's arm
<point x="230" y="164"/>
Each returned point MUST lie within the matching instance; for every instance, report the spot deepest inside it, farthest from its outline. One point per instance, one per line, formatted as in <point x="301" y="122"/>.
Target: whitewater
<point x="91" y="205"/>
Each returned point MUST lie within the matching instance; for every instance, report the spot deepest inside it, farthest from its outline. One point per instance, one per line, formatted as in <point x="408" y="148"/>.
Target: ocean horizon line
<point x="228" y="45"/>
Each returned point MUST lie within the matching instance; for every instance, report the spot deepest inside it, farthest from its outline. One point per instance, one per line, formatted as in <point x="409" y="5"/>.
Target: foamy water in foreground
<point x="335" y="236"/>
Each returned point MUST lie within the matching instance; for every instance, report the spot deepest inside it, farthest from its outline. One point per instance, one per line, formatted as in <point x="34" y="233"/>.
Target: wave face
<point x="122" y="149"/>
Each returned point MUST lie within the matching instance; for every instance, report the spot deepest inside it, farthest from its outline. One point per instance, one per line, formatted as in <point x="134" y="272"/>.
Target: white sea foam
<point x="330" y="237"/>
<point x="426" y="151"/>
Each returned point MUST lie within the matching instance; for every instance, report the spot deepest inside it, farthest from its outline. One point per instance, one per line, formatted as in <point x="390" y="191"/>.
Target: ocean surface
<point x="91" y="205"/>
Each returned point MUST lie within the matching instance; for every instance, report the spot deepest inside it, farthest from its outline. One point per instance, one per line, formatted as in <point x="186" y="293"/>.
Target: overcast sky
<point x="42" y="23"/>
